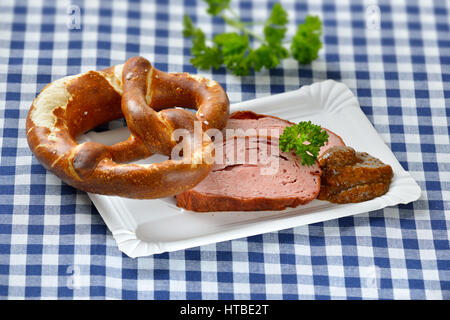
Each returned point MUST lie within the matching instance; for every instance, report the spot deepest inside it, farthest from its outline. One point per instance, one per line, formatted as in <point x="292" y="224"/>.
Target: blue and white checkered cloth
<point x="395" y="58"/>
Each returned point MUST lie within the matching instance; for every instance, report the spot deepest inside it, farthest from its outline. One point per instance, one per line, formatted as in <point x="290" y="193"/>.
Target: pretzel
<point x="71" y="106"/>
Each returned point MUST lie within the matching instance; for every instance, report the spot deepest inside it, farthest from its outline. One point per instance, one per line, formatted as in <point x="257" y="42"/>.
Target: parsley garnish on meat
<point x="305" y="139"/>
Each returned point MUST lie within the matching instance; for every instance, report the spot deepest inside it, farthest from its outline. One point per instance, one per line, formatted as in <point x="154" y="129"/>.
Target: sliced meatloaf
<point x="247" y="119"/>
<point x="252" y="174"/>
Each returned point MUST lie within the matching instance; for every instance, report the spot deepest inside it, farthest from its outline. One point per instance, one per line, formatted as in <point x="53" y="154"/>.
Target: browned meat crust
<point x="195" y="201"/>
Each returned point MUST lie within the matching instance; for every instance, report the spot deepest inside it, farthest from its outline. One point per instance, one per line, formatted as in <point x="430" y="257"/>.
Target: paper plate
<point x="145" y="227"/>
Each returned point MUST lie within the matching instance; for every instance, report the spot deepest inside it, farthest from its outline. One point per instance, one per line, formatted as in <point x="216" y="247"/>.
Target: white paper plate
<point x="145" y="227"/>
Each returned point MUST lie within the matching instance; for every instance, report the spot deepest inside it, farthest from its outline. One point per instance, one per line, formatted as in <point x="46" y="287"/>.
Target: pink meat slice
<point x="270" y="176"/>
<point x="278" y="125"/>
<point x="333" y="141"/>
<point x="253" y="174"/>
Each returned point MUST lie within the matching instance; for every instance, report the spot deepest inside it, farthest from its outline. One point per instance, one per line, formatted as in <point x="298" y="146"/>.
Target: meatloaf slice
<point x="250" y="120"/>
<point x="243" y="186"/>
<point x="274" y="181"/>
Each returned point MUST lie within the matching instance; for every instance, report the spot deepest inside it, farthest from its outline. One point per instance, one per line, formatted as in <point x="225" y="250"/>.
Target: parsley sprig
<point x="305" y="139"/>
<point x="235" y="49"/>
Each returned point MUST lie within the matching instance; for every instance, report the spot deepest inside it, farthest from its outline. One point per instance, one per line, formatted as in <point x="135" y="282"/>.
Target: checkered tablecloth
<point x="394" y="56"/>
